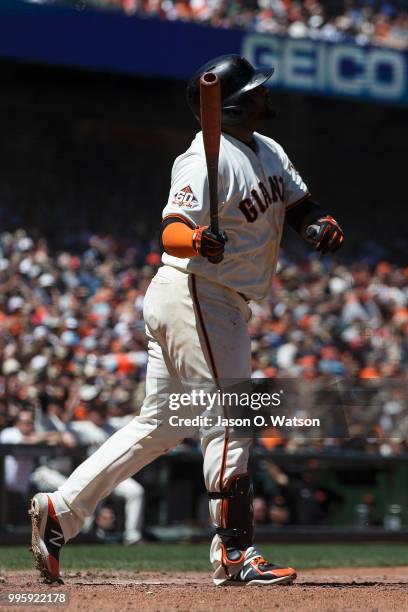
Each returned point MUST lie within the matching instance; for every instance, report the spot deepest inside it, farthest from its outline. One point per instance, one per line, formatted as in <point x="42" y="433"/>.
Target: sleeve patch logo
<point x="185" y="198"/>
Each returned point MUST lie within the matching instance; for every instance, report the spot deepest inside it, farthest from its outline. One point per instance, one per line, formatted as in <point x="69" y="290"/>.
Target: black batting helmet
<point x="238" y="78"/>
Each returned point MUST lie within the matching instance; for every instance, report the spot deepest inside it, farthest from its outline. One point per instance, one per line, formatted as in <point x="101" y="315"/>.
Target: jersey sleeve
<point x="189" y="194"/>
<point x="295" y="189"/>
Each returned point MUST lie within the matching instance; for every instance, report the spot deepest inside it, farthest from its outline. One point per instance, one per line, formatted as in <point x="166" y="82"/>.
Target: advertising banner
<point x="110" y="41"/>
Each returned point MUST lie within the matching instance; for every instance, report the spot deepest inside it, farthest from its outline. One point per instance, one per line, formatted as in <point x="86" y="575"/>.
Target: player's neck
<point x="245" y="136"/>
<point x="241" y="133"/>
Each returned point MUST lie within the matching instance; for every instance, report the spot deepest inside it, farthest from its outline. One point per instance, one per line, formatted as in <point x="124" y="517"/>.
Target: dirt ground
<point x="325" y="590"/>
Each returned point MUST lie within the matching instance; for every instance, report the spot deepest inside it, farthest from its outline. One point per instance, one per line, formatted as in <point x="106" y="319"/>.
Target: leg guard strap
<point x="236" y="529"/>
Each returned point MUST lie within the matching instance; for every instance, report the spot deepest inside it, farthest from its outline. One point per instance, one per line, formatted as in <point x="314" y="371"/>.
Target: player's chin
<point x="267" y="113"/>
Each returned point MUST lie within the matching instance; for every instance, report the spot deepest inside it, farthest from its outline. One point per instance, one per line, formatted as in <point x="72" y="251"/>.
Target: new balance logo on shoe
<point x="59" y="536"/>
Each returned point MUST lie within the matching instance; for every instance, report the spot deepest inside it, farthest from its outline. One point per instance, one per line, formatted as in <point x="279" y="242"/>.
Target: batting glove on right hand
<point x="326" y="234"/>
<point x="209" y="244"/>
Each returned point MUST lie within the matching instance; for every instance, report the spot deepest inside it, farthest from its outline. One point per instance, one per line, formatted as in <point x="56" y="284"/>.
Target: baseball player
<point x="196" y="313"/>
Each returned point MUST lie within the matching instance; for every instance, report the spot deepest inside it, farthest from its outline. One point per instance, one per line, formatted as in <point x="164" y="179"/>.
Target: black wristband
<point x="304" y="214"/>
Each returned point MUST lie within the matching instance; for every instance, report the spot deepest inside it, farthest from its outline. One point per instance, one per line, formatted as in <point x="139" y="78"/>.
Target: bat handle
<point x="312" y="233"/>
<point x="213" y="188"/>
<point x="217" y="259"/>
<point x="215" y="228"/>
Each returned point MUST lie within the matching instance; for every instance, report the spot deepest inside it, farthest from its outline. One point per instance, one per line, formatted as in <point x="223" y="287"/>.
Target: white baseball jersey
<point x="254" y="191"/>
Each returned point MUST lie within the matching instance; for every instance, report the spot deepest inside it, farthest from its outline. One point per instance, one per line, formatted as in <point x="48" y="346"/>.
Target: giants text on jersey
<point x="254" y="190"/>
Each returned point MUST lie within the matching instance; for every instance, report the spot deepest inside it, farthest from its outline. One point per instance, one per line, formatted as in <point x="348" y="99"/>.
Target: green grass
<point x="179" y="557"/>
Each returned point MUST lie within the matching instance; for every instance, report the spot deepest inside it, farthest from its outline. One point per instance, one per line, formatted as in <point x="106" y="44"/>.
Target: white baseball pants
<point x="196" y="330"/>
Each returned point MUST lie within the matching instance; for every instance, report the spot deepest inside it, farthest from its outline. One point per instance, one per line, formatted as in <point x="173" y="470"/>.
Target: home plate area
<point x="335" y="589"/>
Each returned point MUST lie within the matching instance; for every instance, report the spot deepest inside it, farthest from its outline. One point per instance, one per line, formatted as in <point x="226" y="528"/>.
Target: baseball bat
<point x="210" y="108"/>
<point x="312" y="232"/>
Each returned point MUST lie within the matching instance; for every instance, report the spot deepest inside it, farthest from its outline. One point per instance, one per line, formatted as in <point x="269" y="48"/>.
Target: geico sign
<point x="343" y="69"/>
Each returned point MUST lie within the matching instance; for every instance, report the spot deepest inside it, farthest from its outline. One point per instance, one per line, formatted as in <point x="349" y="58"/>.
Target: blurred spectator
<point x="379" y="22"/>
<point x="367" y="513"/>
<point x="260" y="507"/>
<point x="93" y="431"/>
<point x="105" y="525"/>
<point x="18" y="470"/>
<point x="52" y="471"/>
<point x="312" y="503"/>
<point x="279" y="512"/>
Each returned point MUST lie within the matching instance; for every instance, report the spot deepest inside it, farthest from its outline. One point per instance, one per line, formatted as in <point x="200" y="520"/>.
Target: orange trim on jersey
<point x="177" y="240"/>
<point x="201" y="319"/>
<point x="305" y="197"/>
<point x="181" y="218"/>
<point x="222" y="472"/>
<point x="215" y="375"/>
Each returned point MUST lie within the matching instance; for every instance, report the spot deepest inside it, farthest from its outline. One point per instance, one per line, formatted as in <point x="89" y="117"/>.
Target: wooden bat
<point x="210" y="107"/>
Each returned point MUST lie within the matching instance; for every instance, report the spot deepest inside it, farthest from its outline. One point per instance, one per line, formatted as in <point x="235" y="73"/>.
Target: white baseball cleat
<point x="47" y="537"/>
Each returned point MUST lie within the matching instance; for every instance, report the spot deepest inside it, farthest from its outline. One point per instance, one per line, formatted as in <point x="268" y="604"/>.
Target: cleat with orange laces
<point x="256" y="570"/>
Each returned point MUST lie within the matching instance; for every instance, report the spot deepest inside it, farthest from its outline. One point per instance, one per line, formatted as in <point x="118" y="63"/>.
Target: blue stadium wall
<point x="112" y="41"/>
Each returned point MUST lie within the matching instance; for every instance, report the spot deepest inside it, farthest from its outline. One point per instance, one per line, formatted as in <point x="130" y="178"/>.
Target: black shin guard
<point x="236" y="530"/>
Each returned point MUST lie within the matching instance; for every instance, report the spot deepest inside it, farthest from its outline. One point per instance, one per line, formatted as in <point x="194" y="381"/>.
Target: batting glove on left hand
<point x="209" y="244"/>
<point x="326" y="234"/>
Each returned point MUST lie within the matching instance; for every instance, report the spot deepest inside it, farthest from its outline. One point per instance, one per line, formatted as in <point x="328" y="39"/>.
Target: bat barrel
<point x="210" y="103"/>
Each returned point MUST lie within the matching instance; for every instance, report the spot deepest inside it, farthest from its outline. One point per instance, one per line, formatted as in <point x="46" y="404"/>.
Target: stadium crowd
<point x="72" y="336"/>
<point x="378" y="22"/>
